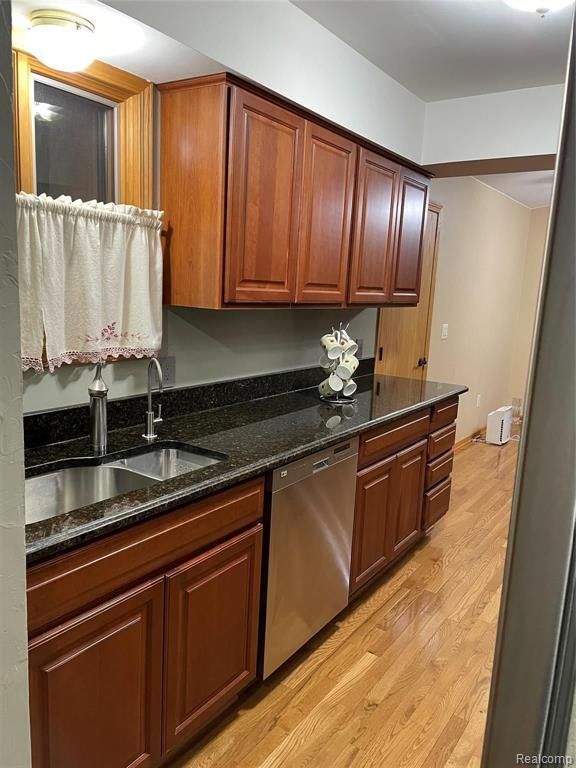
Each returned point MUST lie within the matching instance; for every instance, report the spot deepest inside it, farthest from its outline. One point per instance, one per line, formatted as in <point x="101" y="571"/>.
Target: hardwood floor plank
<point x="400" y="679"/>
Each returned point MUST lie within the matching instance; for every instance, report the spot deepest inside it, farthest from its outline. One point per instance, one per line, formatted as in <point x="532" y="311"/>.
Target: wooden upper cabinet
<point x="265" y="205"/>
<point x="406" y="267"/>
<point x="211" y="633"/>
<point x="374" y="228"/>
<point x="96" y="685"/>
<point x="193" y="135"/>
<point x="326" y="216"/>
<point x="264" y="191"/>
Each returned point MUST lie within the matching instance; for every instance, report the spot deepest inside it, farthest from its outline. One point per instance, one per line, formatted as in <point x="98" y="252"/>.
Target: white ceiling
<point x="444" y="49"/>
<point x="124" y="42"/>
<point x="533" y="189"/>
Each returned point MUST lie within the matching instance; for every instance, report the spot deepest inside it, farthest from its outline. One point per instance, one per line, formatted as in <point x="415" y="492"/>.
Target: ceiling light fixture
<point x="62" y="40"/>
<point x="541" y="7"/>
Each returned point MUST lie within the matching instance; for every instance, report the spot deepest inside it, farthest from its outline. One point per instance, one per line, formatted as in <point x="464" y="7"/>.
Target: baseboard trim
<point x="466" y="441"/>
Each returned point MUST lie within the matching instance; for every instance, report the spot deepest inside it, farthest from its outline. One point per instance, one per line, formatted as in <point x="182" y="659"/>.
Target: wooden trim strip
<point x="134" y="97"/>
<point x="467" y="441"/>
<point x="493" y="165"/>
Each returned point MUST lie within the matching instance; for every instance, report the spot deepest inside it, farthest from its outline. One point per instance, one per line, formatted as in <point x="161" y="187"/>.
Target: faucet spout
<point x="151" y="418"/>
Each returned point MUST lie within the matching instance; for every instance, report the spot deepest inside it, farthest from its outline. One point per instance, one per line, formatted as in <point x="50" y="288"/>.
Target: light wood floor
<point x="401" y="680"/>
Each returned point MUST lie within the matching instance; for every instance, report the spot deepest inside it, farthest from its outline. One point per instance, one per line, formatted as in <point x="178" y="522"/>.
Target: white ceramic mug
<point x="325" y="389"/>
<point x="352" y="346"/>
<point x="333" y="344"/>
<point x="347" y="366"/>
<point x="349" y="388"/>
<point x="325" y="362"/>
<point x="335" y="382"/>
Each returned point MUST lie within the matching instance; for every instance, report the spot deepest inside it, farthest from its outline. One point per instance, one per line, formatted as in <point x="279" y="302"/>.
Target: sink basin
<point x="67" y="489"/>
<point x="164" y="462"/>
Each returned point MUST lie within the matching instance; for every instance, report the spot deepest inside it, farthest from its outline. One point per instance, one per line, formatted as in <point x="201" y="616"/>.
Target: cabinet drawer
<point x="381" y="442"/>
<point x="436" y="503"/>
<point x="61" y="587"/>
<point x="444" y="413"/>
<point x="439" y="469"/>
<point x="441" y="441"/>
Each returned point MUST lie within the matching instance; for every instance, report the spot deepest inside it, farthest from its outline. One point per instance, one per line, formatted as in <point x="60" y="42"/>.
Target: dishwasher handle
<point x="318" y="466"/>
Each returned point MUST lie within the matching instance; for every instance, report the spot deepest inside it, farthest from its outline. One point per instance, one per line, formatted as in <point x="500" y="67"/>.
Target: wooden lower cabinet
<point x="388" y="516"/>
<point x="211" y="633"/>
<point x="410" y="468"/>
<point x="372" y="522"/>
<point x="135" y="674"/>
<point x="96" y="685"/>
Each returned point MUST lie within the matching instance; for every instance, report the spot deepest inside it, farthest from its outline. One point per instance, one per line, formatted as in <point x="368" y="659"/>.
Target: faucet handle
<point x="158" y="419"/>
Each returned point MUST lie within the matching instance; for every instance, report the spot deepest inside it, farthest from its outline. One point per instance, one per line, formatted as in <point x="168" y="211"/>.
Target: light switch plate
<point x="168" y="365"/>
<point x="444" y="331"/>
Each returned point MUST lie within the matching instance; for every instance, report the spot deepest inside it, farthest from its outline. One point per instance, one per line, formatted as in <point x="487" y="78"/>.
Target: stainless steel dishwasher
<point x="310" y="546"/>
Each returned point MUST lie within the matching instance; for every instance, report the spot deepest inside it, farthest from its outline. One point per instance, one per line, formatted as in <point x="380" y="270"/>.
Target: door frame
<point x="437" y="208"/>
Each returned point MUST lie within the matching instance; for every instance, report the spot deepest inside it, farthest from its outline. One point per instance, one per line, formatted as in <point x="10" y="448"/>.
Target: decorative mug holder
<point x="340" y="363"/>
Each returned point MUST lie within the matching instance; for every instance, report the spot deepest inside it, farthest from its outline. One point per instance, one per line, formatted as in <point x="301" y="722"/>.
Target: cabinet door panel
<point x="212" y="625"/>
<point x="264" y="190"/>
<point x="407" y="263"/>
<point x="329" y="167"/>
<point x="375" y="491"/>
<point x="407" y="522"/>
<point x="96" y="686"/>
<point x="374" y="222"/>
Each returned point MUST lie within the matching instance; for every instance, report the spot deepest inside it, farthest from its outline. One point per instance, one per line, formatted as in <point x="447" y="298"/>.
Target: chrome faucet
<point x="98" y="392"/>
<point x="151" y="418"/>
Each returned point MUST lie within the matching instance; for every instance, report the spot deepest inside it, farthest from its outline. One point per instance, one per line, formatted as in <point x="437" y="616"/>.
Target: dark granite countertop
<point x="256" y="436"/>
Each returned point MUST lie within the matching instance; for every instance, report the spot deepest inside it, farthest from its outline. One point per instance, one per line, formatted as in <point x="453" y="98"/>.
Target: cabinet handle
<point x="422" y="361"/>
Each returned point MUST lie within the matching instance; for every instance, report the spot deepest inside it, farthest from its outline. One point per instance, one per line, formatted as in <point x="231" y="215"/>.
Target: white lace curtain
<point x="90" y="280"/>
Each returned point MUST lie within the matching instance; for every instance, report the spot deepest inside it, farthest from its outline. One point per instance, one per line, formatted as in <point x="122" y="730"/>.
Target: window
<point x="85" y="134"/>
<point x="74" y="137"/>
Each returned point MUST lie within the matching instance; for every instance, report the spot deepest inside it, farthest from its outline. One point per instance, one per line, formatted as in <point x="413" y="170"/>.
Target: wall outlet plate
<point x="168" y="365"/>
<point x="478" y="399"/>
<point x="360" y="343"/>
<point x="444" y="334"/>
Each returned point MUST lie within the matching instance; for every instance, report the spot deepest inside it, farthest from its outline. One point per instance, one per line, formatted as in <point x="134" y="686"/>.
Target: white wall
<point x="278" y="46"/>
<point x="282" y="48"/>
<point x="507" y="124"/>
<point x="527" y="301"/>
<point x="485" y="244"/>
<point x="210" y="346"/>
<point x="14" y="725"/>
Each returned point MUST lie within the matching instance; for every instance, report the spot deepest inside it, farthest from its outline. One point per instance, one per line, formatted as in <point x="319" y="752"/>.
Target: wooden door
<point x="326" y="218"/>
<point x="264" y="191"/>
<point x="374" y="228"/>
<point x="96" y="685"/>
<point x="406" y="522"/>
<point x="406" y="267"/>
<point x="375" y="493"/>
<point x="404" y="332"/>
<point x="211" y="633"/>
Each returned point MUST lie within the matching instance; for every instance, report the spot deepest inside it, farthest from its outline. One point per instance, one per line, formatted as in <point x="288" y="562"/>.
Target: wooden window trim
<point x="134" y="96"/>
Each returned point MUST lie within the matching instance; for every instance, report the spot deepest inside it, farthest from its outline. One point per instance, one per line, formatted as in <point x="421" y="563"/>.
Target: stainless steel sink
<point x="164" y="462"/>
<point x="67" y="489"/>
